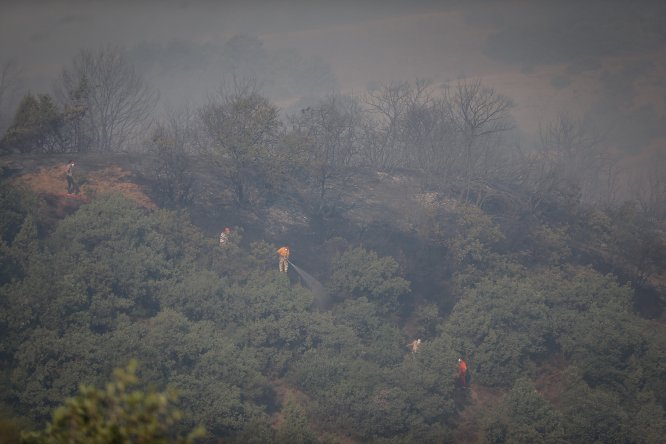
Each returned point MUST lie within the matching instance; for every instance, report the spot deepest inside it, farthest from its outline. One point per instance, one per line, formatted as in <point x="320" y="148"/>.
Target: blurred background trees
<point x="106" y="98"/>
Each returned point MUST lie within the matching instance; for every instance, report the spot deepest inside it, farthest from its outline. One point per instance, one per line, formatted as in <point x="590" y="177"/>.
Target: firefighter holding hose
<point x="283" y="264"/>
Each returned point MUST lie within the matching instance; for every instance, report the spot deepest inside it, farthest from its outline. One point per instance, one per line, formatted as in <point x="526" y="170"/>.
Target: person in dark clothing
<point x="72" y="187"/>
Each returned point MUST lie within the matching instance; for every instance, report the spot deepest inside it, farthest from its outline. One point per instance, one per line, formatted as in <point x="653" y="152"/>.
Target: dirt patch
<point x="51" y="182"/>
<point x="478" y="398"/>
<point x="549" y="379"/>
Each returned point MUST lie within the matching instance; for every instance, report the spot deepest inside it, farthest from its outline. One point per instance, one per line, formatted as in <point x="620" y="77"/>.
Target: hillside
<point x="388" y="212"/>
<point x="544" y="306"/>
<point x="369" y="208"/>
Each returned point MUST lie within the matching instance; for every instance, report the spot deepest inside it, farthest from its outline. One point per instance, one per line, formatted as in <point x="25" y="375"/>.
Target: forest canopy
<point x="114" y="281"/>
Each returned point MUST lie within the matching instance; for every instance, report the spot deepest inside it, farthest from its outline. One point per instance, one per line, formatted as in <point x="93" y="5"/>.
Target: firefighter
<point x="463" y="374"/>
<point x="283" y="264"/>
<point x="224" y="236"/>
<point x="72" y="187"/>
<point x="414" y="345"/>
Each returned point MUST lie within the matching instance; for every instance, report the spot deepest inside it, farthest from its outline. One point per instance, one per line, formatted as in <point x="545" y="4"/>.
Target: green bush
<point x="358" y="272"/>
<point x="115" y="414"/>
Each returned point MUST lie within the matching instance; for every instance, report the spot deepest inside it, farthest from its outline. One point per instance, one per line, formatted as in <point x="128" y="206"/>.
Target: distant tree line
<point x="458" y="134"/>
<point x="100" y="103"/>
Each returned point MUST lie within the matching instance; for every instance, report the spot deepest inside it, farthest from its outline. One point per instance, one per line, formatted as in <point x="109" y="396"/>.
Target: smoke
<point x="314" y="285"/>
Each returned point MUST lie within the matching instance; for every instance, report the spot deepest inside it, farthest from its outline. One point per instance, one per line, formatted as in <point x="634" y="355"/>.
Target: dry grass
<point x="51" y="181"/>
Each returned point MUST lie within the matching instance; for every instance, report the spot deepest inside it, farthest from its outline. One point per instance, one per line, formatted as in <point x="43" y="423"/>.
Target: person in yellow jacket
<point x="224" y="236"/>
<point x="414" y="345"/>
<point x="284" y="259"/>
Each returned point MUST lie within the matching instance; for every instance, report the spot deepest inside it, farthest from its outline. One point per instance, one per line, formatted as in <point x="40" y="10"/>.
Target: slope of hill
<point x="393" y="214"/>
<point x="369" y="207"/>
<point x="528" y="301"/>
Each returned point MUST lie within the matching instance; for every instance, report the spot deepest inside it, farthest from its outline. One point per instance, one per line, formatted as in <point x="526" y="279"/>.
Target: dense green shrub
<point x="115" y="414"/>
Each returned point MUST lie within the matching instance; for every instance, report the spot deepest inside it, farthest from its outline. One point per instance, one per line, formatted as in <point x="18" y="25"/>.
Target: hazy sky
<point x="601" y="61"/>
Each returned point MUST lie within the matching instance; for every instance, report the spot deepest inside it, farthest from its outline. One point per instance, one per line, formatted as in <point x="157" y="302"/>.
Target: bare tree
<point x="389" y="106"/>
<point x="76" y="133"/>
<point x="540" y="174"/>
<point x="115" y="102"/>
<point x="578" y="154"/>
<point x="568" y="165"/>
<point x="479" y="114"/>
<point x="172" y="145"/>
<point x="241" y="129"/>
<point x="430" y="139"/>
<point x="332" y="132"/>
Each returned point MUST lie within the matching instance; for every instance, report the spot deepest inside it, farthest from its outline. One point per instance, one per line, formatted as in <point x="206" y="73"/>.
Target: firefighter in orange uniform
<point x="284" y="259"/>
<point x="463" y="376"/>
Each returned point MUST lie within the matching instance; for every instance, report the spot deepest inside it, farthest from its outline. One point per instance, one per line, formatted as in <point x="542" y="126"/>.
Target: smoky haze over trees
<point x="608" y="81"/>
<point x="110" y="101"/>
<point x="103" y="106"/>
<point x="193" y="70"/>
<point x="428" y="207"/>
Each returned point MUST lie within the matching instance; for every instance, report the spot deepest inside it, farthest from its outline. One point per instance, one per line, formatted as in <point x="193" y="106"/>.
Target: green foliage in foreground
<point x="115" y="414"/>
